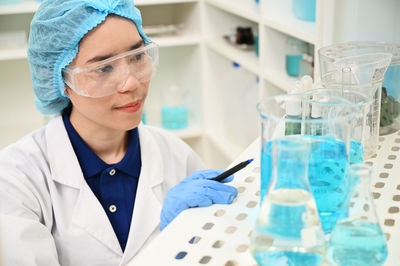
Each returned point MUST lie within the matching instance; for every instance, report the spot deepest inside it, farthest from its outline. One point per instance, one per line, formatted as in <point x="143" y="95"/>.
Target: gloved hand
<point x="196" y="190"/>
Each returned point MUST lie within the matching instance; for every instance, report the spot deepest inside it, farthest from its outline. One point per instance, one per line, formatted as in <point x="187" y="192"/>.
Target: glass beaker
<point x="363" y="73"/>
<point x="361" y="146"/>
<point x="358" y="239"/>
<point x="174" y="109"/>
<point x="288" y="229"/>
<point x="373" y="68"/>
<point x="328" y="136"/>
<point x="295" y="49"/>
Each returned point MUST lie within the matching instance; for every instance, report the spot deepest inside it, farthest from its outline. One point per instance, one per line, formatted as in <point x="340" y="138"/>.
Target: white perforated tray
<point x="219" y="235"/>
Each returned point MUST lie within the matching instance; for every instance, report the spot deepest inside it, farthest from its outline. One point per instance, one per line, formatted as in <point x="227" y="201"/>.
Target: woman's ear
<point x="67" y="89"/>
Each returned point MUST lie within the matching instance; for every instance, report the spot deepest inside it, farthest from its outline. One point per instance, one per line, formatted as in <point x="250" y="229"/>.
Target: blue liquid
<point x="280" y="234"/>
<point x="326" y="174"/>
<point x="287" y="258"/>
<point x="144" y="119"/>
<point x="327" y="177"/>
<point x="357" y="243"/>
<point x="266" y="169"/>
<point x="293" y="64"/>
<point x="174" y="117"/>
<point x="392" y="81"/>
<point x="356" y="152"/>
<point x="284" y="222"/>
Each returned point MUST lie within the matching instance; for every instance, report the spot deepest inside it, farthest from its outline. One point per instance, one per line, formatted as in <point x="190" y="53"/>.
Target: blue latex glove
<point x="196" y="190"/>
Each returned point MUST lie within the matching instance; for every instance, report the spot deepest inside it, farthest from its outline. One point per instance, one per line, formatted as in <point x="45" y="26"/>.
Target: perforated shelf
<point x="219" y="235"/>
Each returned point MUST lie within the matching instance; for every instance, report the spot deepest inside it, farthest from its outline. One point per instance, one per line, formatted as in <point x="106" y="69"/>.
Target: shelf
<point x="281" y="80"/>
<point x="161" y="2"/>
<point x="304" y="31"/>
<point x="30" y="6"/>
<point x="246" y="59"/>
<point x="12" y="54"/>
<point x="188" y="133"/>
<point x="21" y="53"/>
<point x="179" y="40"/>
<point x="26" y="6"/>
<point x="278" y="15"/>
<point x="249" y="10"/>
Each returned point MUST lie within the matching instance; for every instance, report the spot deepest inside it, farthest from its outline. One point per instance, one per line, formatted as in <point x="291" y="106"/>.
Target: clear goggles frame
<point x="108" y="76"/>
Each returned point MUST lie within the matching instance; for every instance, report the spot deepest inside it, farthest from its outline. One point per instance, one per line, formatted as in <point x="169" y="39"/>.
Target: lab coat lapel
<point x="88" y="213"/>
<point x="148" y="202"/>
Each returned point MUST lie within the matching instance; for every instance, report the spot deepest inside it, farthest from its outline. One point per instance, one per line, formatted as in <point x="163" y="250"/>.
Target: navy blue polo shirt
<point x="113" y="184"/>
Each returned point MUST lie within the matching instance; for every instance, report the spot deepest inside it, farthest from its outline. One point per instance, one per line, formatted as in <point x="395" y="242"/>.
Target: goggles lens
<point x="108" y="76"/>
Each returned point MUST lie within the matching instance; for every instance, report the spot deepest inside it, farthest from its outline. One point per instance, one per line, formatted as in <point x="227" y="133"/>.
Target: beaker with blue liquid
<point x="174" y="109"/>
<point x="364" y="74"/>
<point x="361" y="124"/>
<point x="328" y="137"/>
<point x="288" y="230"/>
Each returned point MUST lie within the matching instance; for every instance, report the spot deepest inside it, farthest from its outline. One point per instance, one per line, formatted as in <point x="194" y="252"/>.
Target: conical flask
<point x="288" y="230"/>
<point x="358" y="239"/>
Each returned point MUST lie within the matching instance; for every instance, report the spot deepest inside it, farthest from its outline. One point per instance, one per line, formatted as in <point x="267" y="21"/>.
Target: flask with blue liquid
<point x="288" y="229"/>
<point x="357" y="239"/>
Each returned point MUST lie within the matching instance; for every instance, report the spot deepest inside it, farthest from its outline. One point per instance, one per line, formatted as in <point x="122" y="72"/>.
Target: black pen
<point x="232" y="170"/>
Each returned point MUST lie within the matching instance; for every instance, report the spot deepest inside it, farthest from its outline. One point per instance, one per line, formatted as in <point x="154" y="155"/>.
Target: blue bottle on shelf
<point x="304" y="9"/>
<point x="295" y="49"/>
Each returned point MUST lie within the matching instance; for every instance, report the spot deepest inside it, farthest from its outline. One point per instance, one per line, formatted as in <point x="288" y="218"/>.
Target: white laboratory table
<point x="219" y="234"/>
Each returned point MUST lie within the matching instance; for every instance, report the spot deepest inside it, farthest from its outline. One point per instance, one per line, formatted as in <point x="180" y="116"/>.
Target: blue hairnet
<point x="56" y="29"/>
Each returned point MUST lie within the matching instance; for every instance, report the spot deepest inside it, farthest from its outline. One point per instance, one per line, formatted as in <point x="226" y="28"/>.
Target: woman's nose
<point x="130" y="84"/>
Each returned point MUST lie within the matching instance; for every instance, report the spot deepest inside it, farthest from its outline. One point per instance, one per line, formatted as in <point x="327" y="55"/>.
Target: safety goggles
<point x="106" y="77"/>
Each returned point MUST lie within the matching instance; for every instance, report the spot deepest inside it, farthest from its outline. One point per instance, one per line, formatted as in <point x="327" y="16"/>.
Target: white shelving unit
<point x="221" y="97"/>
<point x="25" y="6"/>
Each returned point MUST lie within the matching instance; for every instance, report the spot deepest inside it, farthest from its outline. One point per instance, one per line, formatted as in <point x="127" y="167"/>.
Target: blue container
<point x="256" y="45"/>
<point x="293" y="64"/>
<point x="9" y="2"/>
<point x="174" y="117"/>
<point x="304" y="9"/>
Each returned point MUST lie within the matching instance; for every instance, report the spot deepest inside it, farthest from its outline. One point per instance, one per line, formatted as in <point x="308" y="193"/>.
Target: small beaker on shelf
<point x="295" y="49"/>
<point x="174" y="111"/>
<point x="358" y="239"/>
<point x="304" y="9"/>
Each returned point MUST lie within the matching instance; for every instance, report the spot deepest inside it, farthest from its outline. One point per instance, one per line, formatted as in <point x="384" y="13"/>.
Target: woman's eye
<point x="104" y="69"/>
<point x="137" y="58"/>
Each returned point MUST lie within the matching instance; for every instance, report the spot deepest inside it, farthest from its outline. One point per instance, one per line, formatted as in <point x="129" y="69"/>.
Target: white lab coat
<point x="49" y="215"/>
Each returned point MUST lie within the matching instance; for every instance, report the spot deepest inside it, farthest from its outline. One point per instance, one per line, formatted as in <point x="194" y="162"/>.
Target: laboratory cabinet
<point x="217" y="81"/>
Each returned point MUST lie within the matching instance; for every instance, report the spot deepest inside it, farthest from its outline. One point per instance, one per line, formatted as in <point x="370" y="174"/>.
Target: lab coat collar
<point x="88" y="212"/>
<point x="63" y="162"/>
<point x="149" y="197"/>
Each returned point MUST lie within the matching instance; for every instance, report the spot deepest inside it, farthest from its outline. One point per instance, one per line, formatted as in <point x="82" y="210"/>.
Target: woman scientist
<point x="94" y="185"/>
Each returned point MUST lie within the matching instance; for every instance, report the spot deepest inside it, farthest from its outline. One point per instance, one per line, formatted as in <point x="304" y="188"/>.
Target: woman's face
<point x="123" y="109"/>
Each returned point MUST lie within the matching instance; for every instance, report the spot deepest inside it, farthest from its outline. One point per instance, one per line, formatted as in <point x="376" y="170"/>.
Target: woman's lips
<point x="130" y="107"/>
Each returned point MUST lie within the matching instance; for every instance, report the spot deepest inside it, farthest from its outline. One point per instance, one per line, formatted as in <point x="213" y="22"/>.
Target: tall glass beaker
<point x="358" y="239"/>
<point x="288" y="229"/>
<point x="361" y="145"/>
<point x="368" y="62"/>
<point x="327" y="130"/>
<point x="360" y="72"/>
